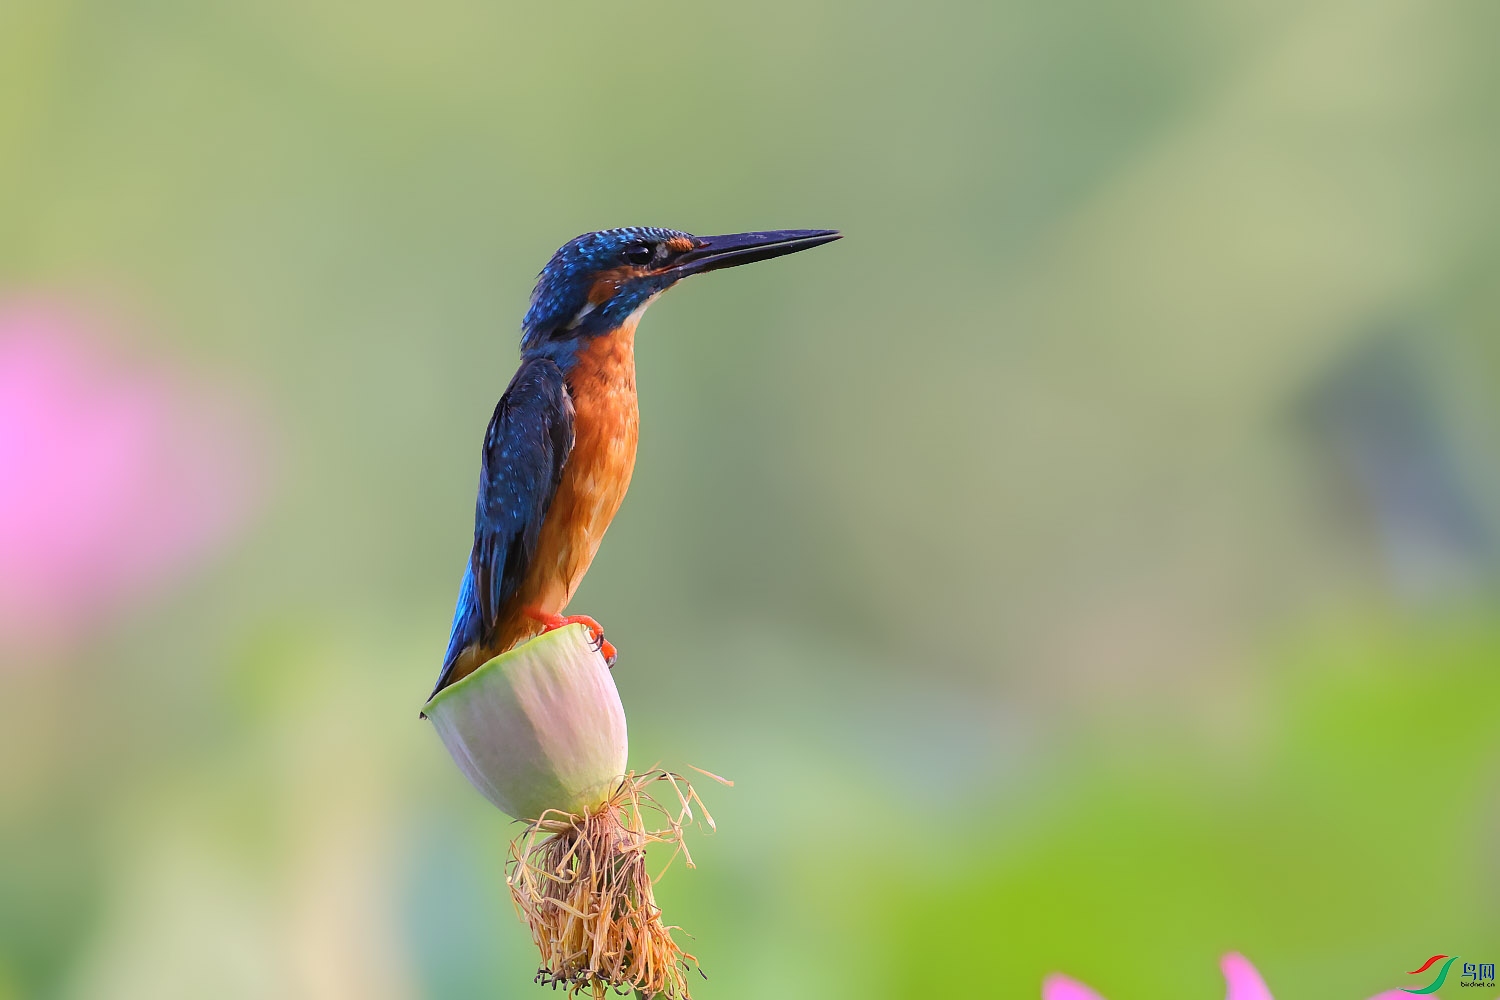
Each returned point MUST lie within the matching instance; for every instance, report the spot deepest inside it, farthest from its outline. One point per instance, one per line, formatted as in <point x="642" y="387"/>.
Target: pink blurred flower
<point x="113" y="477"/>
<point x="1059" y="987"/>
<point x="1241" y="978"/>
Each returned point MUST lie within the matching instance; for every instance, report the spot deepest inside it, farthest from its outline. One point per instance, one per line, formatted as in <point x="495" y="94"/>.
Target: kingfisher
<point x="560" y="447"/>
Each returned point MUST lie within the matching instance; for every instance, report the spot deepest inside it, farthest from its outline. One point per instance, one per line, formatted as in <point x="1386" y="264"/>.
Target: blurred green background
<point x="1088" y="565"/>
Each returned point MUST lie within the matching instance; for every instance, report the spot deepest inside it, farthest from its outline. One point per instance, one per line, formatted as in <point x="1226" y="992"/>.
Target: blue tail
<point x="465" y="630"/>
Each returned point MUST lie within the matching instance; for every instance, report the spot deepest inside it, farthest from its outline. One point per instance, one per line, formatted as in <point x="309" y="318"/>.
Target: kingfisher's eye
<point x="640" y="253"/>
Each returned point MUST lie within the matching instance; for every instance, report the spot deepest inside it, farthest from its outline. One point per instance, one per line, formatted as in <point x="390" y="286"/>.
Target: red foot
<point x="550" y="622"/>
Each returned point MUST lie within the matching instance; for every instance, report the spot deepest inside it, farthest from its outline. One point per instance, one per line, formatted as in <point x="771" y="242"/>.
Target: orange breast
<point x="605" y="430"/>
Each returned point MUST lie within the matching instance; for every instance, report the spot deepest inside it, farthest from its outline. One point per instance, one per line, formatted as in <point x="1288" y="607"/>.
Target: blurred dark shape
<point x="1379" y="415"/>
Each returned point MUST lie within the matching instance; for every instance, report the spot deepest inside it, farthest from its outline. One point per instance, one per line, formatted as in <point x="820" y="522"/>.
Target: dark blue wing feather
<point x="525" y="448"/>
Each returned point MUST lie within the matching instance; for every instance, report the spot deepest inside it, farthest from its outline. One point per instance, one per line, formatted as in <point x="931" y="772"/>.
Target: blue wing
<point x="525" y="448"/>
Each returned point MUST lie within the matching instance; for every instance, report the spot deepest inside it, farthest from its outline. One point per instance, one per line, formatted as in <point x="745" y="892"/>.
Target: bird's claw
<point x="605" y="648"/>
<point x="600" y="644"/>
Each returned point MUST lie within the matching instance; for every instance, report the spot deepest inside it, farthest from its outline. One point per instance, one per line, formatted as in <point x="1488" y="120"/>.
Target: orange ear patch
<point x="603" y="290"/>
<point x="606" y="284"/>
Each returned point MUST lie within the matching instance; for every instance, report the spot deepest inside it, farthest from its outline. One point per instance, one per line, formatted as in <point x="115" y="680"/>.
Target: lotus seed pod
<point x="539" y="727"/>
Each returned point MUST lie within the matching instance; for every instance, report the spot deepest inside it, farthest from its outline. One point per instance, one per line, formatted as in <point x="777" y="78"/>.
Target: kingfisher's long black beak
<point x="714" y="252"/>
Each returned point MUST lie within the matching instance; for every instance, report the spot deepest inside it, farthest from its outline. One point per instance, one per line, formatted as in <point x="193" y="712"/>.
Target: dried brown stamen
<point x="582" y="885"/>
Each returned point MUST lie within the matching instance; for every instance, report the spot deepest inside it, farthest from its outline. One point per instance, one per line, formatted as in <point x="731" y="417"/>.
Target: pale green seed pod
<point x="540" y="727"/>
